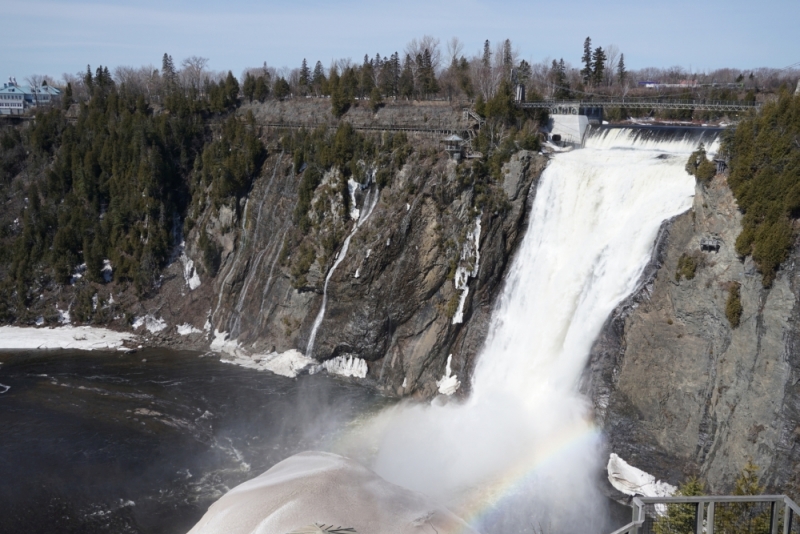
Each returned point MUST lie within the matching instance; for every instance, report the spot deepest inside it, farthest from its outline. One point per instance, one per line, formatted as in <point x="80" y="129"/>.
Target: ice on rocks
<point x="345" y="365"/>
<point x="186" y="329"/>
<point x="633" y="481"/>
<point x="151" y="323"/>
<point x="449" y="383"/>
<point x="468" y="267"/>
<point x="353" y="186"/>
<point x="290" y="363"/>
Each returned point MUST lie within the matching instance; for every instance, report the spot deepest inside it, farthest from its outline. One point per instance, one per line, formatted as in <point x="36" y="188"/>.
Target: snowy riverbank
<point x="63" y="337"/>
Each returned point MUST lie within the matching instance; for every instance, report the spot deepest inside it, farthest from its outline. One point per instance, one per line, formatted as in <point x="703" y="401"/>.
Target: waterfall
<point x="523" y="444"/>
<point x="521" y="454"/>
<point x="362" y="215"/>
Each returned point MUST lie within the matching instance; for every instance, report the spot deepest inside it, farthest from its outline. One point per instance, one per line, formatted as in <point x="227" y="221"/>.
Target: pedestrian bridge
<point x="595" y="106"/>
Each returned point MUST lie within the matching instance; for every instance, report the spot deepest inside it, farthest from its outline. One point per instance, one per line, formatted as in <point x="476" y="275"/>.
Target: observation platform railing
<point x="749" y="514"/>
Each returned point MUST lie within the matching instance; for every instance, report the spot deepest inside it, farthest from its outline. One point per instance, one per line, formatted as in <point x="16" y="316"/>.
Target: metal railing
<point x="703" y="105"/>
<point x="749" y="514"/>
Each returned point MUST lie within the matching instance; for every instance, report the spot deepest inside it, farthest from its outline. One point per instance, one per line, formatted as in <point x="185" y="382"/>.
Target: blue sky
<point x="57" y="36"/>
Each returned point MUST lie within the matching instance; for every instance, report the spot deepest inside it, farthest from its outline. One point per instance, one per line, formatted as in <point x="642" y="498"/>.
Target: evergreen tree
<point x="598" y="66"/>
<point x="486" y="60"/>
<point x="305" y="76"/>
<point x="88" y="80"/>
<point x="261" y="88"/>
<point x="681" y="518"/>
<point x="586" y="59"/>
<point x="339" y="103"/>
<point x="622" y="74"/>
<point x="426" y="76"/>
<point x="734" y="518"/>
<point x="559" y="76"/>
<point x="281" y="89"/>
<point x="366" y="78"/>
<point x="68" y="98"/>
<point x="507" y="59"/>
<point x="524" y="72"/>
<point x="318" y="80"/>
<point x="406" y="81"/>
<point x="168" y="68"/>
<point x="231" y="89"/>
<point x="375" y="99"/>
<point x="249" y="86"/>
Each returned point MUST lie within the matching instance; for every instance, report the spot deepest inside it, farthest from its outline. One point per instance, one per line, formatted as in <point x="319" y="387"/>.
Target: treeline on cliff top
<point x="114" y="178"/>
<point x="764" y="176"/>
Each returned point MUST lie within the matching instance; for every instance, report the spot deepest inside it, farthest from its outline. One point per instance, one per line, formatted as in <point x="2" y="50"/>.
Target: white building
<point x="15" y="99"/>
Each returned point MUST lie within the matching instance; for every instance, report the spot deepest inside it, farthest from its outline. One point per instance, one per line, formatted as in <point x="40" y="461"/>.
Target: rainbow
<point x="483" y="503"/>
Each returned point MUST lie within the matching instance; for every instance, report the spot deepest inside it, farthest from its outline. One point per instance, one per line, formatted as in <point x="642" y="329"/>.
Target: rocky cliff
<point x="678" y="389"/>
<point x="414" y="267"/>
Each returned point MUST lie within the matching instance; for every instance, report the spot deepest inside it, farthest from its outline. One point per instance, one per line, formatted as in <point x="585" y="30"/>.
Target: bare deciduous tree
<point x="417" y="46"/>
<point x="454" y="49"/>
<point x="192" y="71"/>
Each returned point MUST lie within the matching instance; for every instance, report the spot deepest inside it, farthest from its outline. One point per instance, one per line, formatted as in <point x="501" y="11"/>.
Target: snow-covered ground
<point x="62" y="337"/>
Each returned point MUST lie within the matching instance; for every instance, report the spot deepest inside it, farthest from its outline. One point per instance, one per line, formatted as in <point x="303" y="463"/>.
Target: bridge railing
<point x="709" y="105"/>
<point x="749" y="514"/>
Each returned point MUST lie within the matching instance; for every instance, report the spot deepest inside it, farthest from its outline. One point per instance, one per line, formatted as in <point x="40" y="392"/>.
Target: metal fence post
<point x="773" y="517"/>
<point x="787" y="518"/>
<point x="699" y="525"/>
<point x="710" y="520"/>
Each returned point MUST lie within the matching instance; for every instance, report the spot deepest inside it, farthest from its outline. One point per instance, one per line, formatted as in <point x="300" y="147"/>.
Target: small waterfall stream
<point x="370" y="201"/>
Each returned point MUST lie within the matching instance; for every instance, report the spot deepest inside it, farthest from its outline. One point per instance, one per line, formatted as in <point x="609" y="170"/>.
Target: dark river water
<point x="109" y="442"/>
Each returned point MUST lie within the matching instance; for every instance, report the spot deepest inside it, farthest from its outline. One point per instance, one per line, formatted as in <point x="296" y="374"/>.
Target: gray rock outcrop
<point x="680" y="392"/>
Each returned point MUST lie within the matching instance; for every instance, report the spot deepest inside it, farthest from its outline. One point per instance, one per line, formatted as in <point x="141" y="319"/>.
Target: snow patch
<point x="186" y="329"/>
<point x="80" y="270"/>
<point x="150" y="323"/>
<point x="190" y="275"/>
<point x="468" y="267"/>
<point x="632" y="481"/>
<point x="107" y="270"/>
<point x="449" y="383"/>
<point x="358" y="273"/>
<point x="62" y="337"/>
<point x="40" y="321"/>
<point x="63" y="316"/>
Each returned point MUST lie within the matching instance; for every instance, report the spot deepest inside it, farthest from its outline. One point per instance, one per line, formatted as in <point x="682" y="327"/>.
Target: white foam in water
<point x="521" y="450"/>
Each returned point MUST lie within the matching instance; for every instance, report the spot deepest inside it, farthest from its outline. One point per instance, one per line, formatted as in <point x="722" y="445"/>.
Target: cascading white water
<point x="521" y="454"/>
<point x="594" y="221"/>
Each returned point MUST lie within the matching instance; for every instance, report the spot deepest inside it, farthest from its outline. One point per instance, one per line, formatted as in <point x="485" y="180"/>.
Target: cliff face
<point x="679" y="391"/>
<point x="393" y="294"/>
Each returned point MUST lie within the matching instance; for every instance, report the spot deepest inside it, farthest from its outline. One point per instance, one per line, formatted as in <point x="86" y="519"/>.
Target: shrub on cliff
<point x="699" y="166"/>
<point x="733" y="307"/>
<point x="687" y="266"/>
